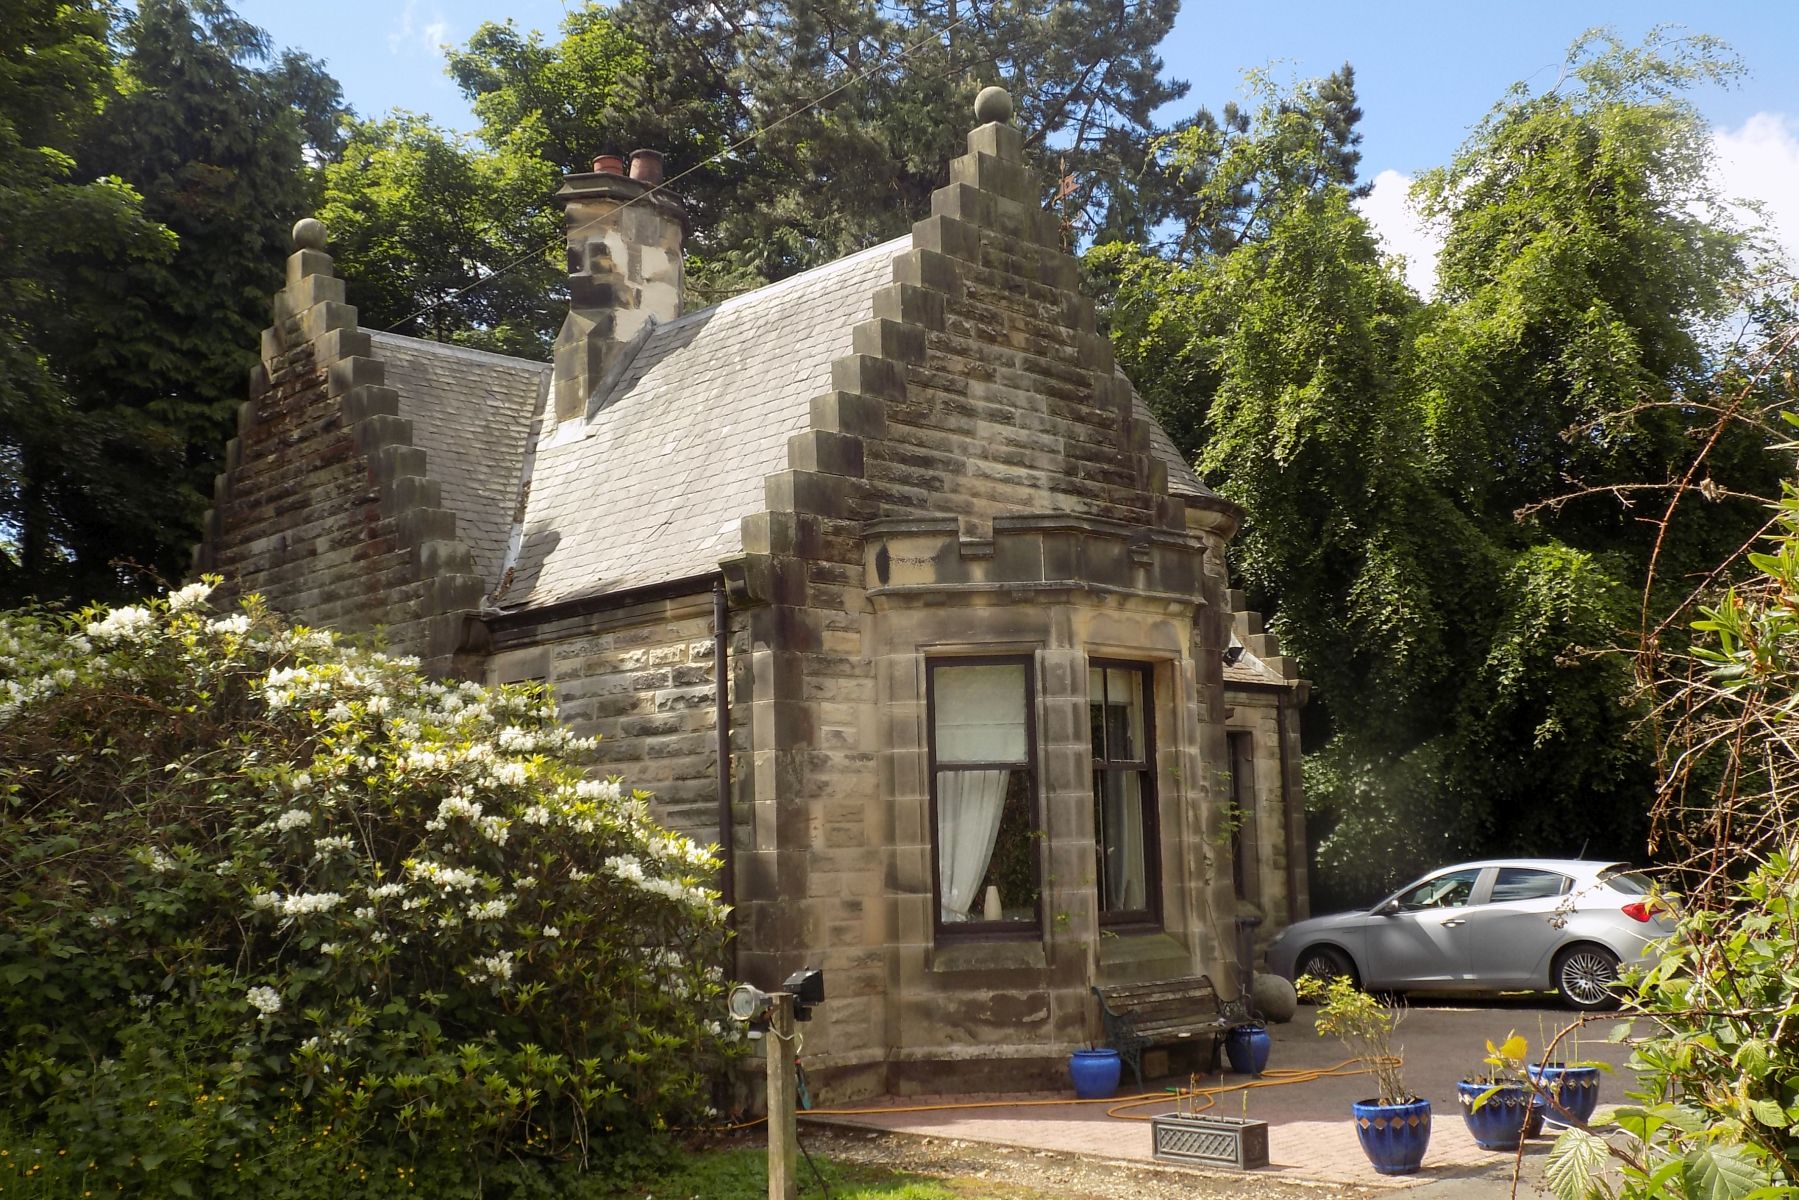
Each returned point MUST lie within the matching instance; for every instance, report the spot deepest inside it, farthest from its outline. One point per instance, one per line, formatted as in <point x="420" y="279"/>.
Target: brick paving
<point x="1311" y="1138"/>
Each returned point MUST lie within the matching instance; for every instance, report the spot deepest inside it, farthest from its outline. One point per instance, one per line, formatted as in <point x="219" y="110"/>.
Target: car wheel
<point x="1585" y="976"/>
<point x="1325" y="963"/>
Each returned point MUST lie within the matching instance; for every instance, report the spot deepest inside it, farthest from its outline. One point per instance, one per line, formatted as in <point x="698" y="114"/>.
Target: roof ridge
<point x="792" y="281"/>
<point x="455" y="351"/>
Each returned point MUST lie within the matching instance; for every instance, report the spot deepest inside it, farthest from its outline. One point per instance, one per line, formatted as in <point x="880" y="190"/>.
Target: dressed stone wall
<point x="325" y="506"/>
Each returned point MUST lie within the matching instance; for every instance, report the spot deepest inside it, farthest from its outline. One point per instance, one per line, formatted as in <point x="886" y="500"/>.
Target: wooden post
<point x="783" y="1131"/>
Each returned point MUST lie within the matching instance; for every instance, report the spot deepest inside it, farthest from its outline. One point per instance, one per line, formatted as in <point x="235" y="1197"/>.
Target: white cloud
<point x="419" y="30"/>
<point x="1760" y="162"/>
<point x="1401" y="231"/>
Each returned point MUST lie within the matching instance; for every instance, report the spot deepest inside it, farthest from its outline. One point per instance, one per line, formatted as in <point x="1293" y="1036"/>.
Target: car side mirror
<point x="1388" y="909"/>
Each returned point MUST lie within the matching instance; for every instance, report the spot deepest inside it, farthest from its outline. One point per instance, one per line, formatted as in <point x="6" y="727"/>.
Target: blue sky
<point x="1426" y="72"/>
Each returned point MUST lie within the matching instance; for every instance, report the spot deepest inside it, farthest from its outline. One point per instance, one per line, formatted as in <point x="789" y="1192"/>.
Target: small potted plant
<point x="1567" y="1089"/>
<point x="1247" y="1045"/>
<point x="1498" y="1102"/>
<point x="1195" y="1132"/>
<point x="1394" y="1124"/>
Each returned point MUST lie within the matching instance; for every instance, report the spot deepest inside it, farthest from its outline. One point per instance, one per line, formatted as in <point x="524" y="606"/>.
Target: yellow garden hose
<point x="1276" y="1077"/>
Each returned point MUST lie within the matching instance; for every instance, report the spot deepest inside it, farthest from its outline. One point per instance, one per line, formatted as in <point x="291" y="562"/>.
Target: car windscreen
<point x="1623" y="879"/>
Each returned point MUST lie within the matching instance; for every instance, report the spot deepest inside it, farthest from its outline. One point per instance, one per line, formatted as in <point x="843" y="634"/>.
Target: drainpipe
<point x="721" y="634"/>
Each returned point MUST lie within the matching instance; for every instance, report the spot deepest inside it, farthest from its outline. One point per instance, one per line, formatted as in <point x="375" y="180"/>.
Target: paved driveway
<point x="1310" y="1137"/>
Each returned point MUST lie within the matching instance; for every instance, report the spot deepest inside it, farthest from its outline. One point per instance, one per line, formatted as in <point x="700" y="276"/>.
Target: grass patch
<point x="742" y="1174"/>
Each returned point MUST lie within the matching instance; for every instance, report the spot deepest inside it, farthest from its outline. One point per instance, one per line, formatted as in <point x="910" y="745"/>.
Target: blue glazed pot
<point x="1499" y="1124"/>
<point x="1393" y="1136"/>
<point x="1574" y="1088"/>
<point x="1247" y="1047"/>
<point x="1094" y="1072"/>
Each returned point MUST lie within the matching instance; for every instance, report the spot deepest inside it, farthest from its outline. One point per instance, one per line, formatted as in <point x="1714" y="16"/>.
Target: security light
<point x="748" y="1002"/>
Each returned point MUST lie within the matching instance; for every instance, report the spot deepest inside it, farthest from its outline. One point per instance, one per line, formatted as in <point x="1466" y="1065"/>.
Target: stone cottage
<point x="879" y="576"/>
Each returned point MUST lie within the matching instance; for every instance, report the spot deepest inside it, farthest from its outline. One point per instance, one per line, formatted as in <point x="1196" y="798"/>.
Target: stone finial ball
<point x="309" y="234"/>
<point x="993" y="104"/>
<point x="1274" y="998"/>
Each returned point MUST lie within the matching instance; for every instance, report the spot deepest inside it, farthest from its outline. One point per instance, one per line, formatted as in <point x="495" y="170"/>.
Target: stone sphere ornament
<point x="1274" y="998"/>
<point x="993" y="104"/>
<point x="309" y="234"/>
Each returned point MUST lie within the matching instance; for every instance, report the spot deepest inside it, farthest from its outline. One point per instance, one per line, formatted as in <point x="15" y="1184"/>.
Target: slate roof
<point x="471" y="414"/>
<point x="652" y="487"/>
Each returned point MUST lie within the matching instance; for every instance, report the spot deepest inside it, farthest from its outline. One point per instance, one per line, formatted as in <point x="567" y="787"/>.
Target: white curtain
<point x="1126" y="876"/>
<point x="969" y="804"/>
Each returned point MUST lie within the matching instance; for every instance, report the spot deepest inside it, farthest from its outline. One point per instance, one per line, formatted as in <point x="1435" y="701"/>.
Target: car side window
<point x="1445" y="891"/>
<point x="1523" y="883"/>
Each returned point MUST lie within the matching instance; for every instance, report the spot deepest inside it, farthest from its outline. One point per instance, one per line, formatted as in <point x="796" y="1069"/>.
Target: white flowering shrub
<point x="293" y="893"/>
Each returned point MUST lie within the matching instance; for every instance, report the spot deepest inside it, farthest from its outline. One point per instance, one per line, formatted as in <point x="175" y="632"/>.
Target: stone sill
<point x="989" y="956"/>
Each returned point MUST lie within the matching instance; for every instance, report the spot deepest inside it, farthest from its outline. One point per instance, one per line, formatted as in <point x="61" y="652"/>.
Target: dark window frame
<point x="1150" y="916"/>
<point x="1241" y="810"/>
<point x="983" y="930"/>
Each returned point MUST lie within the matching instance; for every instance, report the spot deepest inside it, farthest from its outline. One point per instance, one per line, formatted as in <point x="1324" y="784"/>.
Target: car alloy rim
<point x="1588" y="977"/>
<point x="1321" y="967"/>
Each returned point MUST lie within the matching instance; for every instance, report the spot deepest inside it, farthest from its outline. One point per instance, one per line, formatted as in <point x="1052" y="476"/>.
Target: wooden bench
<point x="1164" y="1013"/>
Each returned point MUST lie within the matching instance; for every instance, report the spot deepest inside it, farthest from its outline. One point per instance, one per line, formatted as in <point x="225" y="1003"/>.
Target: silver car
<point x="1500" y="925"/>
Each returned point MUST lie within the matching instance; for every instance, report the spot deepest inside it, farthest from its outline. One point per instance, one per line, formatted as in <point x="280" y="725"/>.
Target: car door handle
<point x="1454" y="921"/>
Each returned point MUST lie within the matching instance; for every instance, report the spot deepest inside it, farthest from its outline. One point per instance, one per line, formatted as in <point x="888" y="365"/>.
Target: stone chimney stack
<point x="624" y="267"/>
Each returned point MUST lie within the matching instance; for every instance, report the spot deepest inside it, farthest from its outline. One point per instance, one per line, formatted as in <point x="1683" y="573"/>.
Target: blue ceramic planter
<point x="1499" y="1124"/>
<point x="1393" y="1136"/>
<point x="1247" y="1047"/>
<point x="1095" y="1073"/>
<point x="1574" y="1088"/>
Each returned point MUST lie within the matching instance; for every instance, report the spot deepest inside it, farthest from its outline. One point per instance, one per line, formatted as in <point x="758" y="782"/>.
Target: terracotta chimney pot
<point x="646" y="166"/>
<point x="609" y="164"/>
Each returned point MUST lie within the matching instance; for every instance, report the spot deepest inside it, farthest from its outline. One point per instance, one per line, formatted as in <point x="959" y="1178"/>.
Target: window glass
<point x="1124" y="817"/>
<point x="1522" y="883"/>
<point x="985" y="795"/>
<point x="1445" y="891"/>
<point x="1622" y="879"/>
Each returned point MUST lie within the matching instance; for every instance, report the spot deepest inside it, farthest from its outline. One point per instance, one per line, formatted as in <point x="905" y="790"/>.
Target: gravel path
<point x="1021" y="1174"/>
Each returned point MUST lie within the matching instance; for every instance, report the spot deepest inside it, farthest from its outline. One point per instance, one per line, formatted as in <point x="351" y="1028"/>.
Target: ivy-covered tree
<point x="440" y="238"/>
<point x="151" y="160"/>
<point x="78" y="470"/>
<point x="841" y="117"/>
<point x="1404" y="465"/>
<point x="213" y="129"/>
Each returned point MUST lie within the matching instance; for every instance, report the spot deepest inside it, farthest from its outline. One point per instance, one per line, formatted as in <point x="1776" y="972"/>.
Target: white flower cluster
<point x="444" y="877"/>
<point x="453" y="807"/>
<point x="191" y="596"/>
<point x="605" y="790"/>
<point x="630" y="869"/>
<point x="265" y="1000"/>
<point x="488" y="910"/>
<point x="237" y="624"/>
<point x="298" y="904"/>
<point x="514" y="740"/>
<point x="679" y="849"/>
<point x="155" y="859"/>
<point x="127" y="624"/>
<point x="335" y="844"/>
<point x="292" y="819"/>
<point x="383" y="891"/>
<point x="497" y="967"/>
